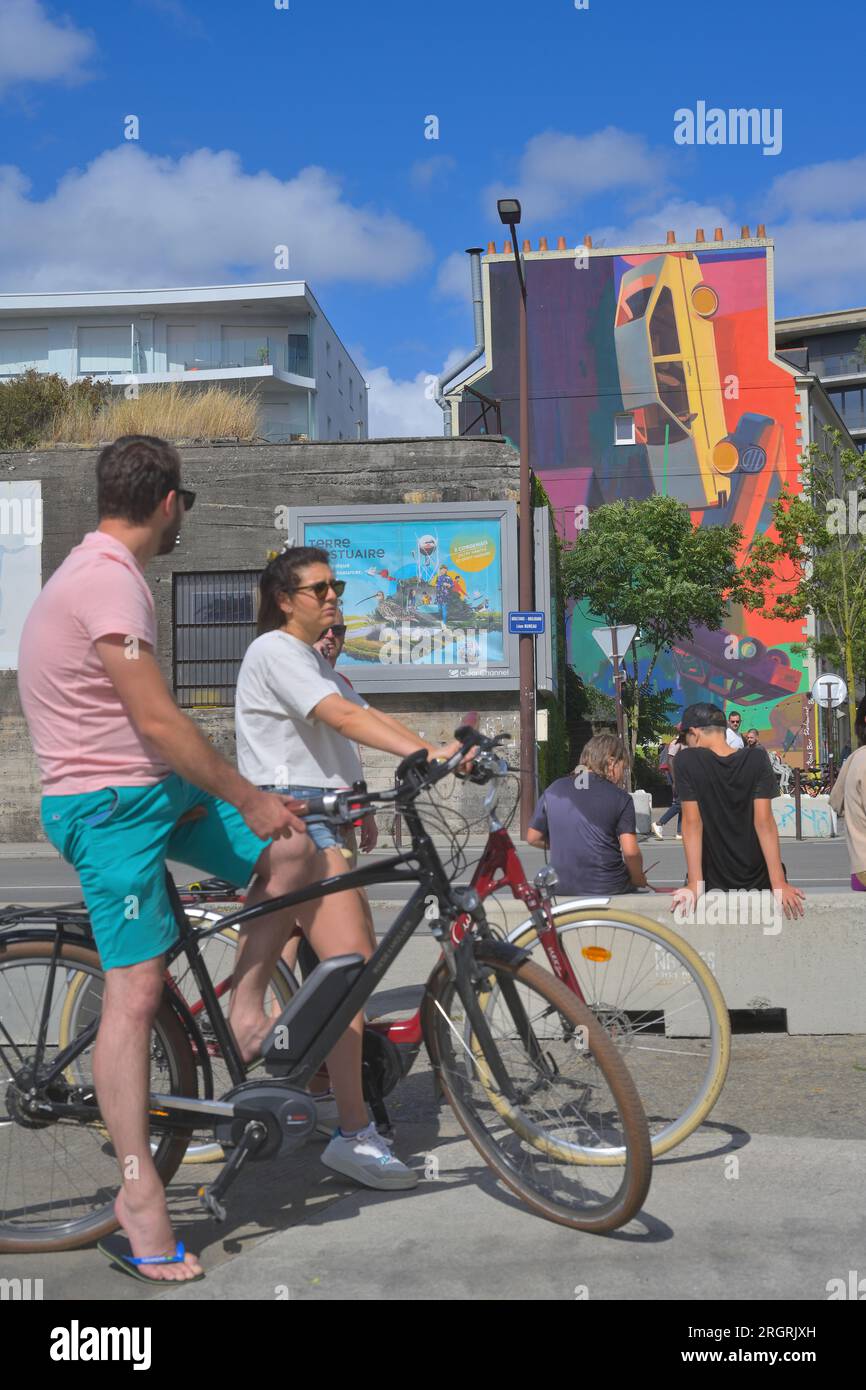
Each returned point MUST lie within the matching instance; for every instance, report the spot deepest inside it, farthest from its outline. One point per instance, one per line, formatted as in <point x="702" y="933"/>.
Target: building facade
<point x="653" y="370"/>
<point x="272" y="339"/>
<point x="833" y="347"/>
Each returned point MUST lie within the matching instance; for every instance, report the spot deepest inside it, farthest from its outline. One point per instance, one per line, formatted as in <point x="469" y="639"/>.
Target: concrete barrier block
<point x="817" y="815"/>
<point x="643" y="806"/>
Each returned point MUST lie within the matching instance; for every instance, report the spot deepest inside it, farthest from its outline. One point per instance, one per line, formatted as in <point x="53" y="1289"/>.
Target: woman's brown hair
<point x="599" y="752"/>
<point x="281" y="577"/>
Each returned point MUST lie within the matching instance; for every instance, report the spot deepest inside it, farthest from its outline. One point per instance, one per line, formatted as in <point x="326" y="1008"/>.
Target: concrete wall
<point x="232" y="527"/>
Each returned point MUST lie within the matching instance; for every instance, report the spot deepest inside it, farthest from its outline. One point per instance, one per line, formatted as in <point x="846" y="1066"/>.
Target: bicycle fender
<point x="11" y="935"/>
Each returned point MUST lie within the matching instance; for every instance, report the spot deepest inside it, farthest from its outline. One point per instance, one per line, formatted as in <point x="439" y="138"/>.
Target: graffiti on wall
<point x="651" y="373"/>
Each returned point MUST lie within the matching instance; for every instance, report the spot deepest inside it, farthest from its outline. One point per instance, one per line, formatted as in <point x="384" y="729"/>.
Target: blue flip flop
<point x="119" y="1251"/>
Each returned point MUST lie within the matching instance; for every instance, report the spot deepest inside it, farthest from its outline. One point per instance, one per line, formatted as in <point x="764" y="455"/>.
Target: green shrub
<point x="31" y="402"/>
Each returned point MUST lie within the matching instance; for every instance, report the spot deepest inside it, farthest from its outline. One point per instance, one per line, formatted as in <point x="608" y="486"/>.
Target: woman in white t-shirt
<point x="297" y="724"/>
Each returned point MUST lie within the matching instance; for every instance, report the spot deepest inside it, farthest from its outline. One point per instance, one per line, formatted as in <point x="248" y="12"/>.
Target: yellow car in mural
<point x="669" y="378"/>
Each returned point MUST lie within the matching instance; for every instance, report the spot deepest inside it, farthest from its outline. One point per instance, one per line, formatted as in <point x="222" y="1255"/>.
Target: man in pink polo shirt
<point x="120" y="764"/>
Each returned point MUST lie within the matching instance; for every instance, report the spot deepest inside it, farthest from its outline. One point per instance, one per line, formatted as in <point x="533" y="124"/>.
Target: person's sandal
<point x="119" y="1251"/>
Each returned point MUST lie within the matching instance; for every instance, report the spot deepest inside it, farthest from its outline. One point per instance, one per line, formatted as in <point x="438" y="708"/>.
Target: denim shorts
<point x="321" y="832"/>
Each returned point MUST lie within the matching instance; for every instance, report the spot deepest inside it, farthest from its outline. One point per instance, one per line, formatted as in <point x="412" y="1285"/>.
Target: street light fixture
<point x="509" y="213"/>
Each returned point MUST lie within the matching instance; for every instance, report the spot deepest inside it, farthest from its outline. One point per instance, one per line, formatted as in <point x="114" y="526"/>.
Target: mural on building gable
<point x="651" y="373"/>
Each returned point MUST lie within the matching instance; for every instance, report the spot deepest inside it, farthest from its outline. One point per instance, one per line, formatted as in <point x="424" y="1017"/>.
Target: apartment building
<point x="272" y="339"/>
<point x="833" y="346"/>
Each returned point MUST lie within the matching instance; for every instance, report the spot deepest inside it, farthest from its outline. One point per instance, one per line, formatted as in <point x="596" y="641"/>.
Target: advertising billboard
<point x="428" y="590"/>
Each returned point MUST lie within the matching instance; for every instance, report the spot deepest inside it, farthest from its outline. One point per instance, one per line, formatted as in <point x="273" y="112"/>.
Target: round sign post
<point x="829" y="692"/>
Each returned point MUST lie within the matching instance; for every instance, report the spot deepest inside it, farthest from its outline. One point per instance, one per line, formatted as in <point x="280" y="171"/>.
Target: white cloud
<point x="678" y="215"/>
<point x="453" y="280"/>
<point x="403" y="408"/>
<point x="558" y="171"/>
<point x="137" y="219"/>
<point x="34" y="47"/>
<point x="425" y="172"/>
<point x="821" y="264"/>
<point x="836" y="187"/>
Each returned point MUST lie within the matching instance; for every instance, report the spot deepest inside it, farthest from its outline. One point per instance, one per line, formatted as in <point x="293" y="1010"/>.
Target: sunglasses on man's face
<point x="322" y="587"/>
<point x="336" y="630"/>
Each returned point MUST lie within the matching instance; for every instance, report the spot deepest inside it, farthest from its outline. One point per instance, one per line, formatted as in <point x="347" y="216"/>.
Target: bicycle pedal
<point x="212" y="1204"/>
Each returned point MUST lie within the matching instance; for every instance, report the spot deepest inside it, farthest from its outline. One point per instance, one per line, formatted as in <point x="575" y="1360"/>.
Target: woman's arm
<point x="365" y="726"/>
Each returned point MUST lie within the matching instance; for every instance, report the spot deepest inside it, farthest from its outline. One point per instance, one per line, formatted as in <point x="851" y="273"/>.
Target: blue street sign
<point x="522" y="623"/>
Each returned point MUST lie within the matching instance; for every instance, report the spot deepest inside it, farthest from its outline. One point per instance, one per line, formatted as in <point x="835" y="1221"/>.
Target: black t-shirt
<point x="725" y="788"/>
<point x="582" y="824"/>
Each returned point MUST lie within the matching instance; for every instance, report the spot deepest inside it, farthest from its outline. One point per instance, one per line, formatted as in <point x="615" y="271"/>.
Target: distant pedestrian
<point x="751" y="737"/>
<point x="848" y="799"/>
<point x="588" y="822"/>
<point x="729" y="833"/>
<point x="667" y="767"/>
<point x="732" y="733"/>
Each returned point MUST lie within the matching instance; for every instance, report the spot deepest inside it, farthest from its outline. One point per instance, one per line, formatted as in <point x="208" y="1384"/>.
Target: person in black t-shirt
<point x="729" y="834"/>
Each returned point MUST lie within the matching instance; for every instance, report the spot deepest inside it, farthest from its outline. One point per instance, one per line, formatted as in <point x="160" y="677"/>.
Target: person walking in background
<point x="732" y="733"/>
<point x="751" y="737"/>
<point x="729" y="834"/>
<point x="588" y="822"/>
<point x="848" y="799"/>
<point x="675" y="809"/>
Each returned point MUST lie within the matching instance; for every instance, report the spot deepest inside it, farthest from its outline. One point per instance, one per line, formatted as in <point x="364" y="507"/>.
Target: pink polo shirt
<point x="82" y="735"/>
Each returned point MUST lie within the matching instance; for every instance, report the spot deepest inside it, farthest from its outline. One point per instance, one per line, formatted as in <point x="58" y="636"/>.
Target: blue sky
<point x="306" y="126"/>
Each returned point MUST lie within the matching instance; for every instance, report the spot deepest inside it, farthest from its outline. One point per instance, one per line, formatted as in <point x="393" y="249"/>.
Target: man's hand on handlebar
<point x="272" y="817"/>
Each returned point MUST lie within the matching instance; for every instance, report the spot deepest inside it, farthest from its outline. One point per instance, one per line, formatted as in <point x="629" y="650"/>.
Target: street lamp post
<point x="509" y="212"/>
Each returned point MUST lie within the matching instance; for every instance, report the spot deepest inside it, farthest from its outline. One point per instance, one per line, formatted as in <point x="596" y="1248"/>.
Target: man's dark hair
<point x="703" y="716"/>
<point x="133" y="475"/>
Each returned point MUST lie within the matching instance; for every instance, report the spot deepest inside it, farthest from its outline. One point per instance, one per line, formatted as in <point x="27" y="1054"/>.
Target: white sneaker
<point x="657" y="830"/>
<point x="367" y="1158"/>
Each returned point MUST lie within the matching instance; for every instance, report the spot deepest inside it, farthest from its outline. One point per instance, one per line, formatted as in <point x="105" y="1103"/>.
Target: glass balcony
<point x="287" y="353"/>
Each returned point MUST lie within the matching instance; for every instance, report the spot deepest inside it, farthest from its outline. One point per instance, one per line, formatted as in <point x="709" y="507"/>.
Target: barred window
<point x="214" y="620"/>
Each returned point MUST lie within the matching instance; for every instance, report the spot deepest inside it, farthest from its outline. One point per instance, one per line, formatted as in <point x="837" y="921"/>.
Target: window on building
<point x="214" y="621"/>
<point x="23" y="349"/>
<point x="105" y="351"/>
<point x="299" y="353"/>
<point x="328" y="358"/>
<point x="351" y="393"/>
<point x="623" y="429"/>
<point x="340" y="377"/>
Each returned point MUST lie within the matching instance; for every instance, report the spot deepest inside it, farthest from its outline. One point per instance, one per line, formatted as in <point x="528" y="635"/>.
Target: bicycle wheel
<point x="659" y="1002"/>
<point x="58" y="1177"/>
<point x="84" y="1001"/>
<point x="572" y="1094"/>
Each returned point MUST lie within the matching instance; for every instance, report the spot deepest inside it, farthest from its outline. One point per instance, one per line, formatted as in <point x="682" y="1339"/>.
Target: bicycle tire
<point x="504" y="1154"/>
<point x="283" y="984"/>
<point x="21" y="1239"/>
<point x="570" y="918"/>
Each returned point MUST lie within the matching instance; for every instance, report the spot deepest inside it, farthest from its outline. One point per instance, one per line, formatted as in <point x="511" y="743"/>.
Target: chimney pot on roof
<point x="542" y="243"/>
<point x="527" y="247"/>
<point x="745" y="233"/>
<point x="762" y="230"/>
<point x="699" y="234"/>
<point x="718" y="234"/>
<point x="491" y="248"/>
<point x="671" y="238"/>
<point x="560" y="244"/>
<point x="506" y="248"/>
<point x="587" y="241"/>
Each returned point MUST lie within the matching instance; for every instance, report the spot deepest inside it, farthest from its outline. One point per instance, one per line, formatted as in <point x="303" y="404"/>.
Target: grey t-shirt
<point x="582" y="825"/>
<point x="279" y="742"/>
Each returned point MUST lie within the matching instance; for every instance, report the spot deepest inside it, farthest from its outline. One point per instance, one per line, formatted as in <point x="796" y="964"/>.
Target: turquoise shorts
<point x="118" y="840"/>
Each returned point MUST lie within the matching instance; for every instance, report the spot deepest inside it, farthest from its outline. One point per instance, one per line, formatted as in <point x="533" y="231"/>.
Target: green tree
<point x="817" y="566"/>
<point x="645" y="563"/>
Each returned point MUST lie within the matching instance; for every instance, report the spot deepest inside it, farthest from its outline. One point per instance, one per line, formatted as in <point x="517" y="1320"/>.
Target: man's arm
<point x="790" y="898"/>
<point x="693" y="844"/>
<point x="535" y="837"/>
<point x="148" y="701"/>
<point x="633" y="860"/>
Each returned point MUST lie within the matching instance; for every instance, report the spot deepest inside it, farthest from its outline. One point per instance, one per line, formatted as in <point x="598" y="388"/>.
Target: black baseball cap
<point x="702" y="716"/>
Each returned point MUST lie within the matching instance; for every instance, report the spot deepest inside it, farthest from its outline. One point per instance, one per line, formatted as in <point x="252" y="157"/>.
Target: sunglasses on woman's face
<point x="336" y="630"/>
<point x="321" y="588"/>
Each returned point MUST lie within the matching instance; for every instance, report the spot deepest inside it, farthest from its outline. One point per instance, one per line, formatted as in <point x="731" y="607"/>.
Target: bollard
<point x="798" y="810"/>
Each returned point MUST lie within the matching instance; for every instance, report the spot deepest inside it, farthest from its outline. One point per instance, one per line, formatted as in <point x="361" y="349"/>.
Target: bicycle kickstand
<point x="211" y="1196"/>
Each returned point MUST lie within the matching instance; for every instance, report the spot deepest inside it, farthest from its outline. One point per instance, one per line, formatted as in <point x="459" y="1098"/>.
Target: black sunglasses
<point x="338" y="630"/>
<point x="320" y="589"/>
<point x="186" y="497"/>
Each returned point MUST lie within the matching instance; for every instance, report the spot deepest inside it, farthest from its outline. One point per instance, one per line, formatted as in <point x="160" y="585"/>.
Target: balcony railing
<point x="245" y="352"/>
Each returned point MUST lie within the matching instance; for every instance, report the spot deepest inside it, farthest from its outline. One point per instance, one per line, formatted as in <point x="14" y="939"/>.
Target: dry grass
<point x="171" y="411"/>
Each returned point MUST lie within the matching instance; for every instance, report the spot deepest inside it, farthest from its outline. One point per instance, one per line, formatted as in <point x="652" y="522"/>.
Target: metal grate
<point x="214" y="620"/>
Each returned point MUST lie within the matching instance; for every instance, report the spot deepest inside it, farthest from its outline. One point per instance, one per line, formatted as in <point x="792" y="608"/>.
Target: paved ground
<point x="764" y="1202"/>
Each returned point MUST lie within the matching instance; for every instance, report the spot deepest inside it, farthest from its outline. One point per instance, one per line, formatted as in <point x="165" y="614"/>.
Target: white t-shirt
<point x="278" y="742"/>
<point x="733" y="740"/>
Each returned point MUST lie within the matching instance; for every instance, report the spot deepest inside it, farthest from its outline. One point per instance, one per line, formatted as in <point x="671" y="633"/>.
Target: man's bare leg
<point x="121" y="1072"/>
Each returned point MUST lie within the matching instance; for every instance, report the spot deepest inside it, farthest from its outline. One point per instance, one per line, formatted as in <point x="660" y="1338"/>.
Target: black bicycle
<point x="532" y="1077"/>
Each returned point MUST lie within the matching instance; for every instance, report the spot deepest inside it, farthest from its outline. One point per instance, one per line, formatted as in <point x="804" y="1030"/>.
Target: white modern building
<point x="271" y="338"/>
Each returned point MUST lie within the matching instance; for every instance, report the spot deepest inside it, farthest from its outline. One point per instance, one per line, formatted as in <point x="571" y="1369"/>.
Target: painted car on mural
<point x="669" y="377"/>
<point x="740" y="669"/>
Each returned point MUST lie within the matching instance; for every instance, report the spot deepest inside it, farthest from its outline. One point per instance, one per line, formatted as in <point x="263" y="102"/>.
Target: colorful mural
<point x="650" y="373"/>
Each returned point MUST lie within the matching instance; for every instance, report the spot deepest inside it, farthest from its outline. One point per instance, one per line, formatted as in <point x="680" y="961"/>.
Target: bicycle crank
<point x="270" y="1119"/>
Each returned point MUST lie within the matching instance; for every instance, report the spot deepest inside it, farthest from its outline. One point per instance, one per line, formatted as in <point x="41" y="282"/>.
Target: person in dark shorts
<point x="729" y="834"/>
<point x="588" y="822"/>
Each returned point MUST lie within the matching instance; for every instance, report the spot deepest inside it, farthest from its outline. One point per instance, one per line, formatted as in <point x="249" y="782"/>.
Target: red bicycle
<point x="652" y="992"/>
